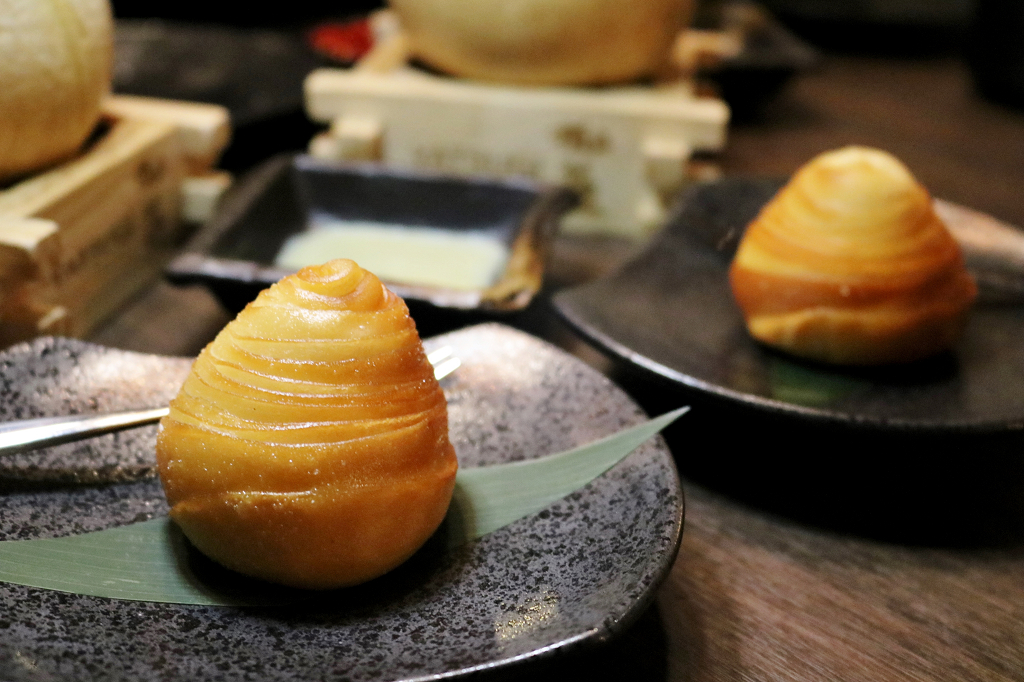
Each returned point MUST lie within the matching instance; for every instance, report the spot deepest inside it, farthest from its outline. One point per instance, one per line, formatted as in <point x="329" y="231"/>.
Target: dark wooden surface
<point x="924" y="111"/>
<point x="797" y="561"/>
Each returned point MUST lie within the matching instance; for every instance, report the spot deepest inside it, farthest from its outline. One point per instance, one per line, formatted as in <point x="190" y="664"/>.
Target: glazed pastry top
<point x="327" y="356"/>
<point x="853" y="213"/>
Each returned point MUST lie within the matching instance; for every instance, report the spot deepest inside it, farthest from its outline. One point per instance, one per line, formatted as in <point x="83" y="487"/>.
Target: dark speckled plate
<point x="575" y="573"/>
<point x="671" y="312"/>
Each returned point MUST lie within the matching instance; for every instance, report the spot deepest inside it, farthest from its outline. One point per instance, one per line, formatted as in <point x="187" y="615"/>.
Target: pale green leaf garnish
<point x="488" y="498"/>
<point x="149" y="561"/>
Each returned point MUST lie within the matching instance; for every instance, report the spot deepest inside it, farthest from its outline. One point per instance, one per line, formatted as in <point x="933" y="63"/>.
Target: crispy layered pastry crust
<point x="849" y="264"/>
<point x="309" y="445"/>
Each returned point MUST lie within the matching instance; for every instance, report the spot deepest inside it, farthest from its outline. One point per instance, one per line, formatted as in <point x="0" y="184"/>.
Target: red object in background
<point x="343" y="41"/>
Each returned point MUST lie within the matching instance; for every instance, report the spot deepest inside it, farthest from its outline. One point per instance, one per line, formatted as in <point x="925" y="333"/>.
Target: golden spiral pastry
<point x="309" y="445"/>
<point x="849" y="264"/>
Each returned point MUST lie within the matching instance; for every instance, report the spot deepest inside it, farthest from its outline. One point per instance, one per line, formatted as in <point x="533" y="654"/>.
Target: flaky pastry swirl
<point x="849" y="264"/>
<point x="309" y="445"/>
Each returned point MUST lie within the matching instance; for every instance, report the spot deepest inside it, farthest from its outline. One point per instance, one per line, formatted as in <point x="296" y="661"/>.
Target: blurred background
<point x="817" y="69"/>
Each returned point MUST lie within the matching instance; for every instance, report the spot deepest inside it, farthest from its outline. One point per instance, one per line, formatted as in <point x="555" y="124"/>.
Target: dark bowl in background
<point x="255" y="73"/>
<point x="770" y="57"/>
<point x="233" y="255"/>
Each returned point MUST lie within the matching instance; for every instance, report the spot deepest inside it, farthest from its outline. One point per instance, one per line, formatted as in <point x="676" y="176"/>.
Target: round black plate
<point x="572" y="574"/>
<point x="671" y="311"/>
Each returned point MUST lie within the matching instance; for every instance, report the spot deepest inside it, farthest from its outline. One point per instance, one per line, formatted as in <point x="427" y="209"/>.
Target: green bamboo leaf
<point x="489" y="498"/>
<point x="145" y="561"/>
<point x="150" y="561"/>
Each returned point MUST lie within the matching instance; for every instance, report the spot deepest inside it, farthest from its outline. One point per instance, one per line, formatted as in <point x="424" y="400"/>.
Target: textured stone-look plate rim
<point x="576" y="622"/>
<point x="572" y="306"/>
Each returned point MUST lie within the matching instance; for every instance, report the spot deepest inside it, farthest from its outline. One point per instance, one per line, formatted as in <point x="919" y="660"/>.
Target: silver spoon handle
<point x="29" y="434"/>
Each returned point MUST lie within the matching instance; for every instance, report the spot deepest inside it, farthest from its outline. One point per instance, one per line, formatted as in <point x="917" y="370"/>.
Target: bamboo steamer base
<point x="79" y="240"/>
<point x="626" y="150"/>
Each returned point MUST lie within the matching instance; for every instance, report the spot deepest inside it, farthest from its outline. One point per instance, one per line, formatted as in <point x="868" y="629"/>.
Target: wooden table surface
<point x="806" y="556"/>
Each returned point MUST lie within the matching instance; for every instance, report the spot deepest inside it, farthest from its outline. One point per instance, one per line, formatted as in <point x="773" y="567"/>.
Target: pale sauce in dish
<point x="410" y="254"/>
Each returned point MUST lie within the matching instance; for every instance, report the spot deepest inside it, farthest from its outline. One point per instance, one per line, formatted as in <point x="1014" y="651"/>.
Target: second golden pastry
<point x="849" y="264"/>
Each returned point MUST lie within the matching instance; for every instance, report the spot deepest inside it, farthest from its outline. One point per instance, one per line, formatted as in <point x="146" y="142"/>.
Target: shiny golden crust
<point x="309" y="445"/>
<point x="849" y="264"/>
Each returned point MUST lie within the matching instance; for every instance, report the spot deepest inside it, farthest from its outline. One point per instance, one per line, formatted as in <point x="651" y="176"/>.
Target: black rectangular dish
<point x="234" y="254"/>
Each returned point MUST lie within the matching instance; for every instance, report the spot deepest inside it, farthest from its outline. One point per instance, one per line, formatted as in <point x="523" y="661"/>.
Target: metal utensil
<point x="993" y="250"/>
<point x="28" y="434"/>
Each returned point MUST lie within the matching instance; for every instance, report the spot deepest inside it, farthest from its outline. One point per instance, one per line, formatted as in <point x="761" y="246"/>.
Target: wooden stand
<point x="77" y="241"/>
<point x="623" y="149"/>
